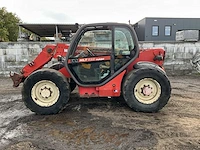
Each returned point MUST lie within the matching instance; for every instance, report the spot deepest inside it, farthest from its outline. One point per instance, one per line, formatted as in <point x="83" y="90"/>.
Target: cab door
<point x="124" y="47"/>
<point x="90" y="62"/>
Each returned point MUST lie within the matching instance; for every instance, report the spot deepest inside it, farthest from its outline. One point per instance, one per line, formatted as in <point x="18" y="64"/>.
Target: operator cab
<point x="99" y="52"/>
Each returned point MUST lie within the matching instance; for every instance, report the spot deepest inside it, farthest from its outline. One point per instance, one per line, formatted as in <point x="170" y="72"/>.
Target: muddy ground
<point x="106" y="124"/>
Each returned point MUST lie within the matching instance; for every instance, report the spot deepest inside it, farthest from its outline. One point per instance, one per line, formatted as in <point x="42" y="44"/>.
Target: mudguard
<point x="146" y="64"/>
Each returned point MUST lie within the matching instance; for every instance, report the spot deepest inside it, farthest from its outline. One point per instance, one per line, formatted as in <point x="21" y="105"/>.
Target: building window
<point x="155" y="30"/>
<point x="167" y="30"/>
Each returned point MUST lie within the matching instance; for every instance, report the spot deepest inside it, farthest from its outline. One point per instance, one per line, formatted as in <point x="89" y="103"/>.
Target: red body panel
<point x="44" y="57"/>
<point x="149" y="55"/>
<point x="65" y="72"/>
<point x="47" y="53"/>
<point x="110" y="89"/>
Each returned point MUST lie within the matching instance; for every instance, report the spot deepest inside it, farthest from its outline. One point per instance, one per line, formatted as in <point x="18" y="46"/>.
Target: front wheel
<point x="45" y="92"/>
<point x="146" y="90"/>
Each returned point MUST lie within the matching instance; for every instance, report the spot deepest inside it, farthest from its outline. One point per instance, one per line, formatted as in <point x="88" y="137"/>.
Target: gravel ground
<point x="101" y="123"/>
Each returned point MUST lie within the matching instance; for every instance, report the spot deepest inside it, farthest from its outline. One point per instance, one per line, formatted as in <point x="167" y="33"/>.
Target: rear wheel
<point x="146" y="90"/>
<point x="45" y="92"/>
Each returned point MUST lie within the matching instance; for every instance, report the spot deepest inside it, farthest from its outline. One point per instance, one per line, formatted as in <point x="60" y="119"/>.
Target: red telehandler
<point x="102" y="60"/>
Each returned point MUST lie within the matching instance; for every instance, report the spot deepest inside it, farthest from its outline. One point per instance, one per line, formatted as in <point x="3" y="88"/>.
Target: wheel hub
<point x="147" y="91"/>
<point x="46" y="92"/>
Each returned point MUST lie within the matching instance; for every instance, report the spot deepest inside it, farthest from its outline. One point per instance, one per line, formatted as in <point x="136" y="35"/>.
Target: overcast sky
<point x="92" y="11"/>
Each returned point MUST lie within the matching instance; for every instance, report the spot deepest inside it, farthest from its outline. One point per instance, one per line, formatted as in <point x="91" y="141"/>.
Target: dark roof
<point x="49" y="30"/>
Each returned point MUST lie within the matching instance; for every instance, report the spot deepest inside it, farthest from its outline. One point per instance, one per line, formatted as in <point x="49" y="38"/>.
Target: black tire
<point x="146" y="90"/>
<point x="58" y="66"/>
<point x="46" y="92"/>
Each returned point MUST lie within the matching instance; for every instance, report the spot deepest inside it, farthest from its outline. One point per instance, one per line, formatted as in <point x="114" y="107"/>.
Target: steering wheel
<point x="90" y="52"/>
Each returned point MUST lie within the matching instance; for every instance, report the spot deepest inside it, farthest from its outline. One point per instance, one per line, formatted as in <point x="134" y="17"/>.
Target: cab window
<point x="93" y="45"/>
<point x="124" y="46"/>
<point x="99" y="42"/>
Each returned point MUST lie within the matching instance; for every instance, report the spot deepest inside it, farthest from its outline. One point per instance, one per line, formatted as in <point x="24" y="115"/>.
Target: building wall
<point x="176" y="24"/>
<point x="14" y="56"/>
<point x="140" y="29"/>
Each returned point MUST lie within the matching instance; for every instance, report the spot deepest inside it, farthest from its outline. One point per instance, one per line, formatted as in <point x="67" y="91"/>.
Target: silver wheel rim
<point x="147" y="91"/>
<point x="45" y="93"/>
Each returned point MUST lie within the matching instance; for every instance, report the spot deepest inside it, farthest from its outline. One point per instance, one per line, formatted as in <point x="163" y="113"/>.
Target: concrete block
<point x="197" y="49"/>
<point x="160" y="46"/>
<point x="16" y="45"/>
<point x="10" y="51"/>
<point x="187" y="35"/>
<point x="147" y="45"/>
<point x="169" y="53"/>
<point x="10" y="58"/>
<point x="197" y="44"/>
<point x="16" y="67"/>
<point x="188" y="44"/>
<point x="190" y="52"/>
<point x="22" y="51"/>
<point x="2" y="63"/>
<point x="35" y="46"/>
<point x="190" y="49"/>
<point x="1" y="52"/>
<point x="189" y="56"/>
<point x="34" y="51"/>
<point x="180" y="55"/>
<point x="179" y="49"/>
<point x="22" y="58"/>
<point x="175" y="62"/>
<point x="169" y="49"/>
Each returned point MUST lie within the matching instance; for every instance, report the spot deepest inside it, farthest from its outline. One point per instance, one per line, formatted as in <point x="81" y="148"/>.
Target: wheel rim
<point x="147" y="91"/>
<point x="45" y="93"/>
